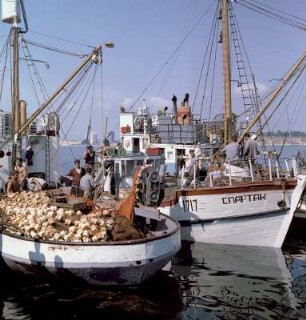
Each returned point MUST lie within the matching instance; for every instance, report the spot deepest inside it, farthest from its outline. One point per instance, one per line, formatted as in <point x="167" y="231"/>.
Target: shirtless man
<point x="13" y="184"/>
<point x="22" y="174"/>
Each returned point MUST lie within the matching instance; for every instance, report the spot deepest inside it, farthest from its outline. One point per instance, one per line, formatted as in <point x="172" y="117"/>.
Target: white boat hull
<point x="106" y="263"/>
<point x="257" y="230"/>
<point x="256" y="215"/>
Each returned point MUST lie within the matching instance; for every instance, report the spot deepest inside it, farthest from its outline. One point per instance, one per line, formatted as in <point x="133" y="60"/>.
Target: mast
<point x="15" y="82"/>
<point x="226" y="73"/>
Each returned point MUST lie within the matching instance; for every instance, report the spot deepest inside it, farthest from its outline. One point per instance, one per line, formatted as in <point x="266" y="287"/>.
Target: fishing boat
<point x="56" y="235"/>
<point x="251" y="204"/>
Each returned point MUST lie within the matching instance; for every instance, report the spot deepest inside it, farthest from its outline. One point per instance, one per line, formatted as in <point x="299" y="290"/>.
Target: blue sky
<point x="145" y="34"/>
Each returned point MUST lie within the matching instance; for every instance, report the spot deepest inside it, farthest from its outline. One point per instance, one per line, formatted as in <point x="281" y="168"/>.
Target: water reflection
<point x="236" y="282"/>
<point x="206" y="282"/>
<point x="22" y="299"/>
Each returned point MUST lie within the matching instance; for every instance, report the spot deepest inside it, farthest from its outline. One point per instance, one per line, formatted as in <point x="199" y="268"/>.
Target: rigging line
<point x="4" y="52"/>
<point x="285" y="95"/>
<point x="277" y="10"/>
<point x="81" y="104"/>
<point x="70" y="89"/>
<point x="32" y="80"/>
<point x="213" y="49"/>
<point x="40" y="82"/>
<point x="188" y="17"/>
<point x="212" y="32"/>
<point x="85" y="95"/>
<point x="272" y="15"/>
<point x="299" y="95"/>
<point x="238" y="32"/>
<point x="90" y="114"/>
<point x="65" y="40"/>
<point x="55" y="49"/>
<point x="172" y="55"/>
<point x="213" y="81"/>
<point x="102" y="101"/>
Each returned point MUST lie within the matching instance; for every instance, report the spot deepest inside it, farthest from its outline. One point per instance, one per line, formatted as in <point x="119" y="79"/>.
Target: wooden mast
<point x="15" y="93"/>
<point x="226" y="74"/>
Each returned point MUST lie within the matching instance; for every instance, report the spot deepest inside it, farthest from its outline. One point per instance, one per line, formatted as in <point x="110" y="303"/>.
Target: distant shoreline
<point x="73" y="143"/>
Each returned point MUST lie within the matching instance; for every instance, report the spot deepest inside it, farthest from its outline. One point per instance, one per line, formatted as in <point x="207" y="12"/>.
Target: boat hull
<point x="109" y="263"/>
<point x="253" y="230"/>
<point x="256" y="214"/>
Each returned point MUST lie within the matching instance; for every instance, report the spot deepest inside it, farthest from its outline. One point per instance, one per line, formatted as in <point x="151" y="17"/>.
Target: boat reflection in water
<point x="235" y="282"/>
<point x="22" y="299"/>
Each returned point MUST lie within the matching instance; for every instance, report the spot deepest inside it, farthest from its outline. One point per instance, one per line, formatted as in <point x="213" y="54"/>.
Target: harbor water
<point x="203" y="282"/>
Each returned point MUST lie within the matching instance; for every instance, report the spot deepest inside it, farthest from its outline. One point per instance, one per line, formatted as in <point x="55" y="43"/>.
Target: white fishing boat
<point x="219" y="202"/>
<point x="88" y="253"/>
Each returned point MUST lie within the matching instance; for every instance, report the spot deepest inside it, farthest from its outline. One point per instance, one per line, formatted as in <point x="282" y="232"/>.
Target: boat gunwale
<point x="177" y="193"/>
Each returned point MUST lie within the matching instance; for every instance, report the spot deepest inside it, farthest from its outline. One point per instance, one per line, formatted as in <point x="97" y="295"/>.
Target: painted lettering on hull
<point x="190" y="205"/>
<point x="245" y="198"/>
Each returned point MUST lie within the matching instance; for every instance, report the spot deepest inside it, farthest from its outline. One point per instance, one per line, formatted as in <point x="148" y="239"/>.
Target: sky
<point x="147" y="61"/>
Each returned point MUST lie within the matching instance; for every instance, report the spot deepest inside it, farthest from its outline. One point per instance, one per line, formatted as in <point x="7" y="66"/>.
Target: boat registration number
<point x="190" y="205"/>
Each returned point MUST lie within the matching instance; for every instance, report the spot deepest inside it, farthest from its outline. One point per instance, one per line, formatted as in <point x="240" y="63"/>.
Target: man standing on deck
<point x="89" y="157"/>
<point x="76" y="173"/>
<point x="87" y="184"/>
<point x="250" y="148"/>
<point x="231" y="151"/>
<point x="22" y="174"/>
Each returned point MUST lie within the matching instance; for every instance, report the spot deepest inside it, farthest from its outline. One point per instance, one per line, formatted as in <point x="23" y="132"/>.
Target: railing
<point x="229" y="173"/>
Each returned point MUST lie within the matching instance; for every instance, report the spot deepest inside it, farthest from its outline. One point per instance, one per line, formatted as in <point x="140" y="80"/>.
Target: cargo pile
<point x="31" y="214"/>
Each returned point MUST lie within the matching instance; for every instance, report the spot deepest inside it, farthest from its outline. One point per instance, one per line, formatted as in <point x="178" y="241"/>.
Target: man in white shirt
<point x="87" y="184"/>
<point x="232" y="153"/>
